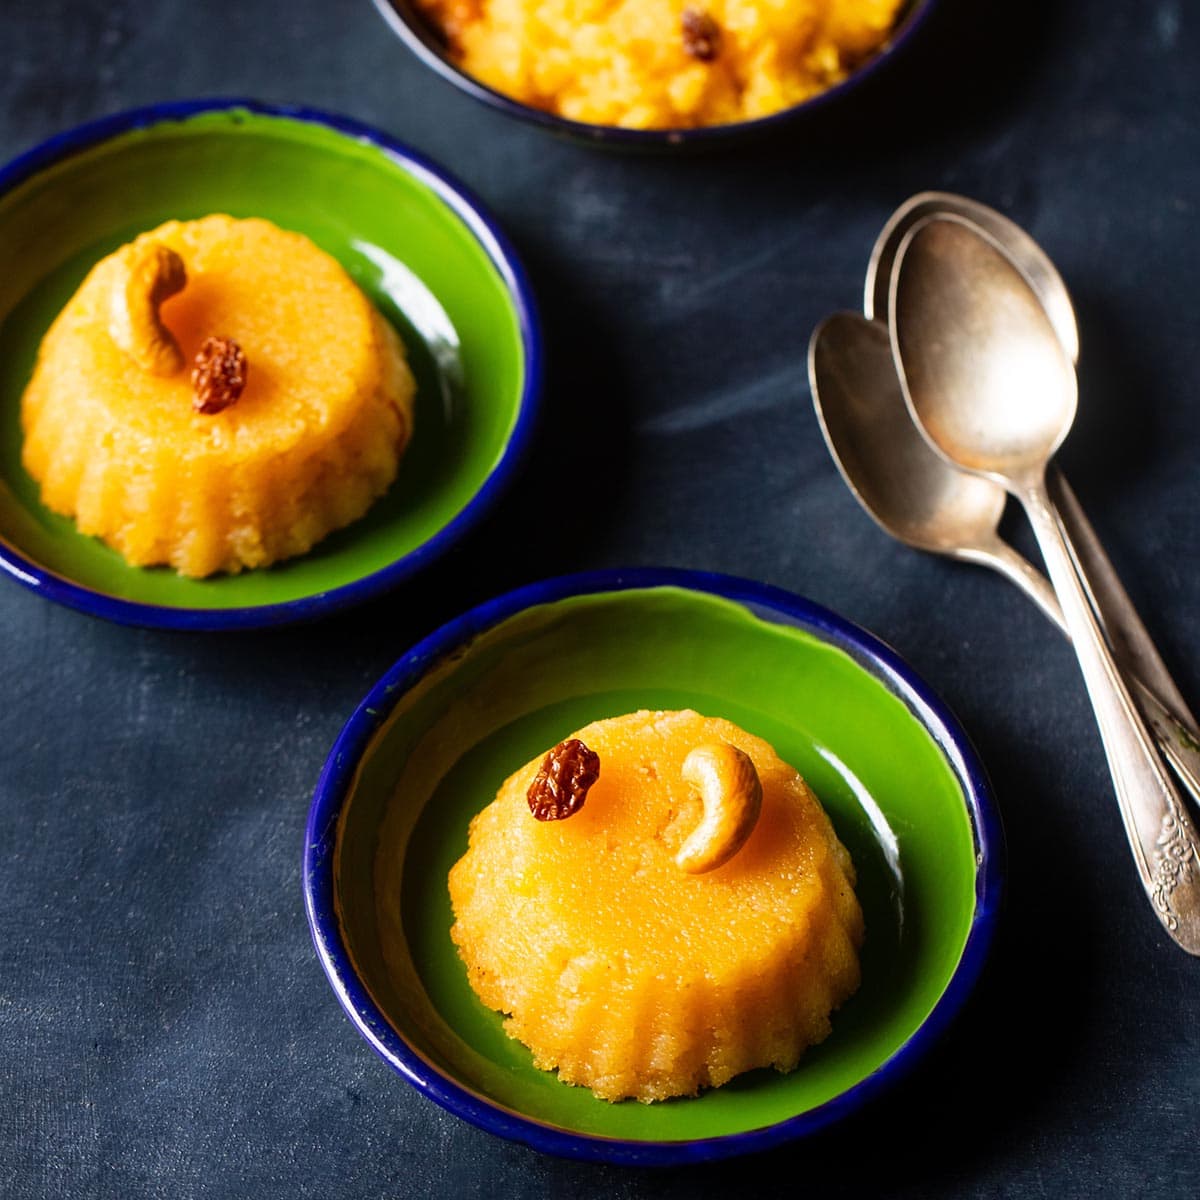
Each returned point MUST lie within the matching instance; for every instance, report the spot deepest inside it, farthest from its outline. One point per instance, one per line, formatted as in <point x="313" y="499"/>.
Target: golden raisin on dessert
<point x="218" y="374"/>
<point x="701" y="35"/>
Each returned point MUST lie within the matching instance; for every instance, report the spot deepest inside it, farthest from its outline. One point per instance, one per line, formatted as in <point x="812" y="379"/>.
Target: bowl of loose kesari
<point x="656" y="73"/>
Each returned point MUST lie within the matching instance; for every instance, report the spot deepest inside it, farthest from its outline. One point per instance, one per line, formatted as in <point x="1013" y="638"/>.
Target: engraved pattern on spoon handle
<point x="1160" y="832"/>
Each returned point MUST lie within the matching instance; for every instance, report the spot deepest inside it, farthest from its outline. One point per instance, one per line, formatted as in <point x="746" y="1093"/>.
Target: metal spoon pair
<point x="963" y="394"/>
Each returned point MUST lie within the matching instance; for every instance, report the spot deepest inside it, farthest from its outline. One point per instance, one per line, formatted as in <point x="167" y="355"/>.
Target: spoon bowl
<point x="1029" y="257"/>
<point x="987" y="378"/>
<point x="904" y="485"/>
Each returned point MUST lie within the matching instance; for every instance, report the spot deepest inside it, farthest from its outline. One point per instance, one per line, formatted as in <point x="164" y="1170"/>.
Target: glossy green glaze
<point x="400" y="241"/>
<point x="525" y="684"/>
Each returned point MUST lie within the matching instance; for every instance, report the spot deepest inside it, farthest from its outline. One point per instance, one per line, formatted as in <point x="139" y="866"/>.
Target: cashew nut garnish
<point x="152" y="273"/>
<point x="731" y="793"/>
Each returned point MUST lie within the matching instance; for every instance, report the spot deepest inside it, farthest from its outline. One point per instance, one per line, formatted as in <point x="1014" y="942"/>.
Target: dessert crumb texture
<point x="660" y="64"/>
<point x="625" y="973"/>
<point x="323" y="412"/>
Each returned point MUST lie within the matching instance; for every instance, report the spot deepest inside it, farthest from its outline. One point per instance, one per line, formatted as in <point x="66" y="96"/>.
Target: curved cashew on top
<point x="731" y="793"/>
<point x="151" y="273"/>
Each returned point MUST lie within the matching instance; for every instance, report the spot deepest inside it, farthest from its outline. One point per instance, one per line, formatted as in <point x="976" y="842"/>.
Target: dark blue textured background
<point x="165" y="1029"/>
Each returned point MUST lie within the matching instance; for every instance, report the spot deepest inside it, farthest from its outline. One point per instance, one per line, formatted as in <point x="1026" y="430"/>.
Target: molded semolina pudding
<point x="218" y="394"/>
<point x="630" y="973"/>
<point x="661" y="64"/>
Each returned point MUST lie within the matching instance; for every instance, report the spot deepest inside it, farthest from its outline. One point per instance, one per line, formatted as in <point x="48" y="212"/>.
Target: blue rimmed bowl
<point x="418" y="244"/>
<point x="455" y="716"/>
<point x="406" y="20"/>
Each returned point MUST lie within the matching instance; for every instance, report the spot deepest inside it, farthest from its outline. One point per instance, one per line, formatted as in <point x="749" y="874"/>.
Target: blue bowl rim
<point x="421" y="42"/>
<point x="501" y="254"/>
<point x="771" y="603"/>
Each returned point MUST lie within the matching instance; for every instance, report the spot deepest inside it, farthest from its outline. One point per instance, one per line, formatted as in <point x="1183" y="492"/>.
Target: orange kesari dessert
<point x="694" y="916"/>
<point x="218" y="394"/>
<point x="654" y="64"/>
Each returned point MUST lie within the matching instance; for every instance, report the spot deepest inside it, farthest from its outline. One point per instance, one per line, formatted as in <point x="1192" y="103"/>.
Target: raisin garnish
<point x="701" y="35"/>
<point x="561" y="785"/>
<point x="218" y="376"/>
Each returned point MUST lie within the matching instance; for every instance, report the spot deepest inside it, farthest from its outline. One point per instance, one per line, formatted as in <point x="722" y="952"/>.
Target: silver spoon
<point x="1174" y="725"/>
<point x="1131" y="643"/>
<point x="987" y="380"/>
<point x="1030" y="259"/>
<point x="915" y="495"/>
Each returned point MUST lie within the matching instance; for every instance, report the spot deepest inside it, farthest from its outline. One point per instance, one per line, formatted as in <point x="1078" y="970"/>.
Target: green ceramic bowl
<point x="423" y="250"/>
<point x="432" y="742"/>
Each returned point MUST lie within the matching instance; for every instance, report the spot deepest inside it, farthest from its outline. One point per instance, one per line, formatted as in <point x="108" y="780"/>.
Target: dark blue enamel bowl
<point x="414" y="29"/>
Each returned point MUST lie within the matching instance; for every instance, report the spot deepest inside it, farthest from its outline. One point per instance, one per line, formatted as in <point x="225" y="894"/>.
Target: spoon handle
<point x="1160" y="832"/>
<point x="1129" y="638"/>
<point x="1160" y="700"/>
<point x="1131" y="646"/>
